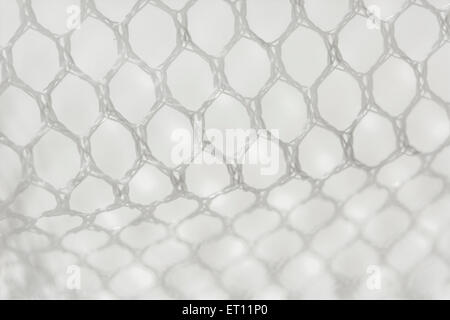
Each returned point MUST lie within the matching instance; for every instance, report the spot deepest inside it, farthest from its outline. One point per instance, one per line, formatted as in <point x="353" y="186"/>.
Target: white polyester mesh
<point x="92" y="207"/>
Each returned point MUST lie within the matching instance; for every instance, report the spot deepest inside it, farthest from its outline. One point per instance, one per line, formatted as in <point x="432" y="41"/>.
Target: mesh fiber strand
<point x="360" y="206"/>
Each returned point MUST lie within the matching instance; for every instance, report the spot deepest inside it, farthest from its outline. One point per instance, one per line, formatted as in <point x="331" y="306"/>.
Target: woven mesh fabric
<point x="359" y="209"/>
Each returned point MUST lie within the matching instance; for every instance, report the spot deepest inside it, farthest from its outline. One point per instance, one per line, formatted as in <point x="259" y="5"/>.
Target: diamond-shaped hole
<point x="58" y="225"/>
<point x="116" y="219"/>
<point x="345" y="183"/>
<point x="9" y="21"/>
<point x="263" y="163"/>
<point x="359" y="45"/>
<point x="394" y="85"/>
<point x="279" y="246"/>
<point x="441" y="161"/>
<point x="33" y="202"/>
<point x="427" y="126"/>
<point x="10" y="171"/>
<point x="256" y="223"/>
<point x="149" y="185"/>
<point x="132" y="92"/>
<point x="94" y="48"/>
<point x="247" y="67"/>
<point x="211" y="25"/>
<point x="36" y="59"/>
<point x="133" y="281"/>
<point x="190" y="80"/>
<point x="75" y="104"/>
<point x="268" y="19"/>
<point x="289" y="194"/>
<point x="396" y="172"/>
<point x="57" y="16"/>
<point x="283" y="108"/>
<point x="320" y="152"/>
<point x="84" y="241"/>
<point x="384" y="9"/>
<point x="115" y="10"/>
<point x="339" y="99"/>
<point x="304" y="55"/>
<point x="152" y="35"/>
<point x="113" y="149"/>
<point x="56" y="158"/>
<point x="374" y="139"/>
<point x="174" y="211"/>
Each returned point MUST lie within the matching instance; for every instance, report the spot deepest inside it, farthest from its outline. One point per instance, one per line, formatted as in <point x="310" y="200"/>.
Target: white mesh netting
<point x="91" y="205"/>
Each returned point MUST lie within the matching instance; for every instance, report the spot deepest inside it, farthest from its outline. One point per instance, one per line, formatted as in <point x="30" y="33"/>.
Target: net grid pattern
<point x="25" y="274"/>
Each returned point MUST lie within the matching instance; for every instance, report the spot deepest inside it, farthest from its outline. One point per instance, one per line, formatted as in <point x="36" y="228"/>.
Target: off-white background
<point x="359" y="90"/>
